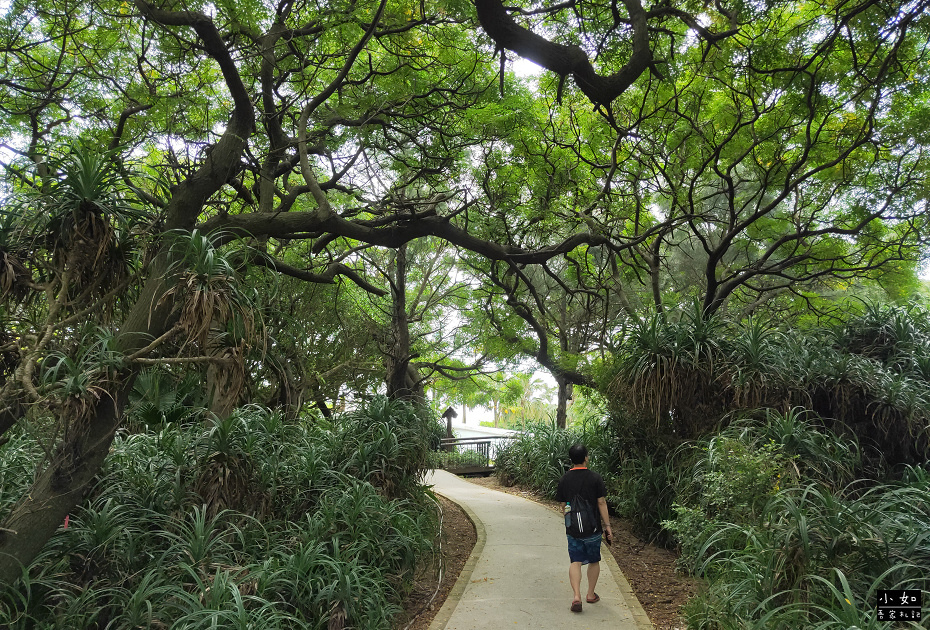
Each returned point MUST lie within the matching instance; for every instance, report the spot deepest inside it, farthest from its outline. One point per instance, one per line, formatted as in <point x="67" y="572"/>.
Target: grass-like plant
<point x="678" y="375"/>
<point x="538" y="456"/>
<point x="331" y="529"/>
<point x="782" y="542"/>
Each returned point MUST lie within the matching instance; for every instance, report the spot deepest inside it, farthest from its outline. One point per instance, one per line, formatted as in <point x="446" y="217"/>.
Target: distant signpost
<point x="448" y="414"/>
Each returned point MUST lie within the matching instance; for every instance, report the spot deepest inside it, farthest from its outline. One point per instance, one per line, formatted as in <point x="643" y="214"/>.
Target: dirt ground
<point x="650" y="570"/>
<point x="457" y="540"/>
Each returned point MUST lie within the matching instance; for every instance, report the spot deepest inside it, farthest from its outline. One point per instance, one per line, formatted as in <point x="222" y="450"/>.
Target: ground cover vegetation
<point x="300" y="203"/>
<point x="246" y="522"/>
<point x="803" y="488"/>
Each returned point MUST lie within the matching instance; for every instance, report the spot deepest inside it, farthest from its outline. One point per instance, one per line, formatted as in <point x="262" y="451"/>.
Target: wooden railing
<point x="469" y="456"/>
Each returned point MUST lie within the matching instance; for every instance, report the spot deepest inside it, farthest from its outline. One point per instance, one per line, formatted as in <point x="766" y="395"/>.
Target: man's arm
<point x="605" y="518"/>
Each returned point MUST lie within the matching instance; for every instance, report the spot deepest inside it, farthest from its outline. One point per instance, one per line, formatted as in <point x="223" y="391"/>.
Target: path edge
<point x="458" y="589"/>
<point x="636" y="608"/>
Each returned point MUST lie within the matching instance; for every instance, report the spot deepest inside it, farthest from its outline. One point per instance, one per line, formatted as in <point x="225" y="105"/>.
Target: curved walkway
<point x="517" y="575"/>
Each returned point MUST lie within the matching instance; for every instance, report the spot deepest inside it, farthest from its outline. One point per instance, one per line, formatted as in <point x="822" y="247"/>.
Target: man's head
<point x="578" y="453"/>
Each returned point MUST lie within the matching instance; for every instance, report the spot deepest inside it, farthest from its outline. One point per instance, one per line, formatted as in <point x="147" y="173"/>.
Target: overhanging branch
<point x="327" y="277"/>
<point x="570" y="60"/>
<point x="303" y="224"/>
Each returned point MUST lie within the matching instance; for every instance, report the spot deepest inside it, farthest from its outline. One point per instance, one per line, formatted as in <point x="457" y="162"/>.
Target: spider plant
<point x="17" y="465"/>
<point x="87" y="218"/>
<point x="146" y="604"/>
<point x="667" y="369"/>
<point x="226" y="474"/>
<point x="207" y="287"/>
<point x="96" y="536"/>
<point x="200" y="539"/>
<point x="752" y="371"/>
<point x="331" y="546"/>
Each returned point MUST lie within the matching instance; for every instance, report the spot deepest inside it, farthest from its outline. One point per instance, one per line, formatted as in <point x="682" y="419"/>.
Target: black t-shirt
<point x="584" y="482"/>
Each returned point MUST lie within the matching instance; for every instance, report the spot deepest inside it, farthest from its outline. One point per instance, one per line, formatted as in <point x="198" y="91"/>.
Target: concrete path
<point x="517" y="575"/>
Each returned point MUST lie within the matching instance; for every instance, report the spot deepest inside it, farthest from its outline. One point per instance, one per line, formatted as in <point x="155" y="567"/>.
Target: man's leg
<point x="574" y="577"/>
<point x="594" y="570"/>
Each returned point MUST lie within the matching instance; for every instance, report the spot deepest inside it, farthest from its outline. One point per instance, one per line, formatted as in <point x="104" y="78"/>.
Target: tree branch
<point x="570" y="60"/>
<point x="327" y="277"/>
<point x="304" y="224"/>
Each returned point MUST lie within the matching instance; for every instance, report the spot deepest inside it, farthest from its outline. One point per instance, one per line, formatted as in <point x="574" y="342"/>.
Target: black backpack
<point x="581" y="520"/>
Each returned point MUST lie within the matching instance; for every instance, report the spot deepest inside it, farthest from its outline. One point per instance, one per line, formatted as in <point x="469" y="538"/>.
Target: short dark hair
<point x="578" y="453"/>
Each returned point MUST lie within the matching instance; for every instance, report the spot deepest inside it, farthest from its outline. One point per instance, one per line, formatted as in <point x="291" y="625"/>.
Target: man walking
<point x="585" y="497"/>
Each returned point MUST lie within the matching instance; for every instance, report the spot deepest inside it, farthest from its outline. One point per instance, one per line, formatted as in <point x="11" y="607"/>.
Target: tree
<point x="556" y="316"/>
<point x="288" y="130"/>
<point x="178" y="94"/>
<point x="168" y="296"/>
<point x="421" y="340"/>
<point x="525" y="398"/>
<point x="778" y="173"/>
<point x="775" y="149"/>
<point x="321" y="344"/>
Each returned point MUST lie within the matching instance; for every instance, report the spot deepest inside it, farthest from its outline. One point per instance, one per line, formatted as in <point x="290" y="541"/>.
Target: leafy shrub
<point x="678" y="376"/>
<point x="795" y="550"/>
<point x="538" y="457"/>
<point x="444" y="459"/>
<point x="739" y="477"/>
<point x="646" y="488"/>
<point x="251" y="521"/>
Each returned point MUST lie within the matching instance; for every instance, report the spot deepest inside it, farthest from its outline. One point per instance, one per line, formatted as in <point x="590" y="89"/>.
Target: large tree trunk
<point x="56" y="491"/>
<point x="565" y="394"/>
<point x="60" y="486"/>
<point x="403" y="380"/>
<point x="398" y="354"/>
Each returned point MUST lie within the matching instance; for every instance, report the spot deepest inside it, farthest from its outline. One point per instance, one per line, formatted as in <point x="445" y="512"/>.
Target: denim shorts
<point x="584" y="550"/>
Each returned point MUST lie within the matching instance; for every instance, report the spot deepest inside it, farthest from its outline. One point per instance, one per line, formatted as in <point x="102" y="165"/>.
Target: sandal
<point x="596" y="599"/>
<point x="576" y="606"/>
